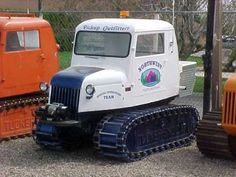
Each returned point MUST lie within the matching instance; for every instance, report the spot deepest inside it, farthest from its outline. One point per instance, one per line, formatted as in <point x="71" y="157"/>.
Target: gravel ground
<point x="22" y="157"/>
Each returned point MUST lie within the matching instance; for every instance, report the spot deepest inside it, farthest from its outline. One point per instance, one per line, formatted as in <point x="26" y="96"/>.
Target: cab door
<point x="22" y="60"/>
<point x="149" y="63"/>
<point x="1" y="69"/>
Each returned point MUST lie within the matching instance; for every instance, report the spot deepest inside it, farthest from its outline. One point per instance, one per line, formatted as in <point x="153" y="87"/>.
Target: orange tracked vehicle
<point x="28" y="57"/>
<point x="216" y="132"/>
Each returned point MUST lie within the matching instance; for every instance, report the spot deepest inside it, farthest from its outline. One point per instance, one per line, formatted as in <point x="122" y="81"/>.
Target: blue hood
<point x="73" y="77"/>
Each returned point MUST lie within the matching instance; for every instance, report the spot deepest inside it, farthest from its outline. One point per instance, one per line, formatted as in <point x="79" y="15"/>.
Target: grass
<point x="198" y="87"/>
<point x="64" y="59"/>
<point x="196" y="59"/>
<point x="199" y="84"/>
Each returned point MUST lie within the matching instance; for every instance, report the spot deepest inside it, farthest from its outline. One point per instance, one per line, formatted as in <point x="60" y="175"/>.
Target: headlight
<point x="43" y="86"/>
<point x="90" y="89"/>
<point x="234" y="64"/>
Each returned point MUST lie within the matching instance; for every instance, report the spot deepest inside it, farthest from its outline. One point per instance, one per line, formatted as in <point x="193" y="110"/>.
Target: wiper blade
<point x="95" y="57"/>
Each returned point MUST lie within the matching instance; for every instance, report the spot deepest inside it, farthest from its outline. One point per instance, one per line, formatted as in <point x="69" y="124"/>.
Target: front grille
<point x="229" y="111"/>
<point x="67" y="96"/>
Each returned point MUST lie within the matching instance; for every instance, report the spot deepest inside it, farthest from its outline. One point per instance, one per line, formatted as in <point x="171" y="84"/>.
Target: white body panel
<point x="122" y="82"/>
<point x="109" y="91"/>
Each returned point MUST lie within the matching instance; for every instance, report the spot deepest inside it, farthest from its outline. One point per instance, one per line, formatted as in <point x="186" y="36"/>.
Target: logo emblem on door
<point x="150" y="77"/>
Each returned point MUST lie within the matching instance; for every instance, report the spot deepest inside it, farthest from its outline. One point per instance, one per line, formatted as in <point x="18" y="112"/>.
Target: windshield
<point x="110" y="44"/>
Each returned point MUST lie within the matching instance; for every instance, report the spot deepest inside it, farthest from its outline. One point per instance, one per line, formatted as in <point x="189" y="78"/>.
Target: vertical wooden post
<point x="217" y="58"/>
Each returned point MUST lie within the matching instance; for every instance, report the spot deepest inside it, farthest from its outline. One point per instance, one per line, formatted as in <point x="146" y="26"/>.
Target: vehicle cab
<point x="28" y="54"/>
<point x="119" y="63"/>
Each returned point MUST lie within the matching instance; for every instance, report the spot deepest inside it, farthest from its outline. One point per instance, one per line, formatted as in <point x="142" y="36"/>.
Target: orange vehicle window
<point x="31" y="39"/>
<point x="22" y="40"/>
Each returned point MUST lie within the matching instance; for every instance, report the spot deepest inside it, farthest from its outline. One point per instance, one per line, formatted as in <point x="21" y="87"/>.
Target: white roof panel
<point x="124" y="25"/>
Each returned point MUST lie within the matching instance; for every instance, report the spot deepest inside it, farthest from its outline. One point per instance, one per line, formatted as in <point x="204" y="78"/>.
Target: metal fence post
<point x="207" y="58"/>
<point x="40" y="8"/>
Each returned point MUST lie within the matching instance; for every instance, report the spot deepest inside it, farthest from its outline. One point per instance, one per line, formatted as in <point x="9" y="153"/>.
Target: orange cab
<point x="28" y="54"/>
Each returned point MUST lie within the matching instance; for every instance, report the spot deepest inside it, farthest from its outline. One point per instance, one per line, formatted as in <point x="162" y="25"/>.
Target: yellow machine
<point x="216" y="132"/>
<point x="229" y="108"/>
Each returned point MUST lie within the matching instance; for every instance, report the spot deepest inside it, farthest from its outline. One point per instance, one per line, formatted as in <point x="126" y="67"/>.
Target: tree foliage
<point x="190" y="27"/>
<point x="230" y="19"/>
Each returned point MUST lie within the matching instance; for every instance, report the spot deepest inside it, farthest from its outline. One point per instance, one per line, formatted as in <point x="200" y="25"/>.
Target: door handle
<point x="42" y="56"/>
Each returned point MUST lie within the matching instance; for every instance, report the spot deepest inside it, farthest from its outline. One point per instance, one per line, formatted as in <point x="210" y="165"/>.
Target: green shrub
<point x="196" y="59"/>
<point x="232" y="57"/>
<point x="233" y="54"/>
<point x="65" y="59"/>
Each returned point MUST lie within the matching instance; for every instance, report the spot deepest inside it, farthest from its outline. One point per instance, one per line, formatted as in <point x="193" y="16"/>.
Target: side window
<point x="15" y="41"/>
<point x="22" y="40"/>
<point x="150" y="44"/>
<point x="32" y="39"/>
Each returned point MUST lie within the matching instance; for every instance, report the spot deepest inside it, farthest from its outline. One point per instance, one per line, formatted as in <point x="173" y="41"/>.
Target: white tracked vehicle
<point x="116" y="93"/>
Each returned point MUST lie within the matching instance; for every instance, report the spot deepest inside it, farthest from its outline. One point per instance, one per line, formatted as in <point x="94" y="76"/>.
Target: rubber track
<point x="126" y="121"/>
<point x="14" y="103"/>
<point x="211" y="138"/>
